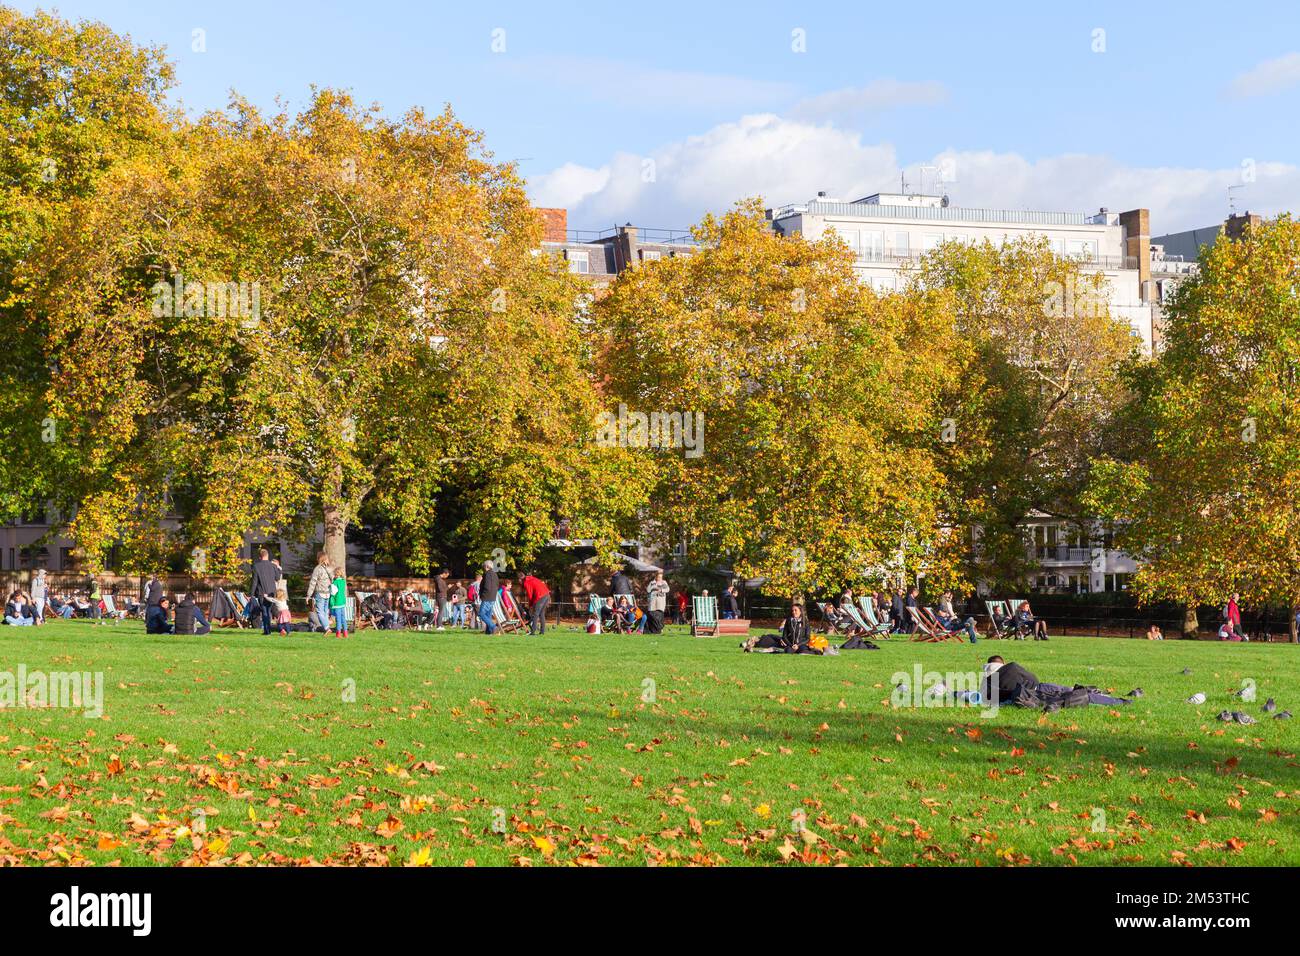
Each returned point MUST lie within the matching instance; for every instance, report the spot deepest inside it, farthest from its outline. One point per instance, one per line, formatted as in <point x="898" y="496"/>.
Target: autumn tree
<point x="814" y="455"/>
<point x="1038" y="357"/>
<point x="1206" y="491"/>
<point x="277" y="320"/>
<point x="76" y="100"/>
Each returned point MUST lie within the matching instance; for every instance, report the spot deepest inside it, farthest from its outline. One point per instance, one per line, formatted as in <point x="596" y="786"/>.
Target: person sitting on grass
<point x="18" y="613"/>
<point x="159" y="618"/>
<point x="793" y="638"/>
<point x="62" y="607"/>
<point x="1013" y="684"/>
<point x="1154" y="633"/>
<point x="189" y="617"/>
<point x="1025" y="619"/>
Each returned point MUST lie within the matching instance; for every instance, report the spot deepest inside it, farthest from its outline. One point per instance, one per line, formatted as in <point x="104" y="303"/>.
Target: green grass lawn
<point x="457" y="748"/>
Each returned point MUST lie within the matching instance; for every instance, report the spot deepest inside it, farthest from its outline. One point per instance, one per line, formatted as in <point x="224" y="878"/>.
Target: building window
<point x="850" y="236"/>
<point x="1085" y="249"/>
<point x="900" y="244"/>
<point x="578" y="261"/>
<point x="873" y="245"/>
<point x="649" y="255"/>
<point x="931" y="241"/>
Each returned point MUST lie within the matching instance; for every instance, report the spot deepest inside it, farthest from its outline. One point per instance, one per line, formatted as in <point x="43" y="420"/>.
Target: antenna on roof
<point x="1232" y="201"/>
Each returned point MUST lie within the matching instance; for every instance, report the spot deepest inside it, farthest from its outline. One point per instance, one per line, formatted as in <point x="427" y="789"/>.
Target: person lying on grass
<point x="1013" y="684"/>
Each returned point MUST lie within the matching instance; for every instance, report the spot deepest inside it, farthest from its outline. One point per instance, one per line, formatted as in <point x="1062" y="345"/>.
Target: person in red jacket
<point x="538" y="596"/>
<point x="681" y="607"/>
<point x="1232" y="613"/>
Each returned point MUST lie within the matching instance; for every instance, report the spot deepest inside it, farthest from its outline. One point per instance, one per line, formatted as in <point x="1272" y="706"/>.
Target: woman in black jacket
<point x="791" y="639"/>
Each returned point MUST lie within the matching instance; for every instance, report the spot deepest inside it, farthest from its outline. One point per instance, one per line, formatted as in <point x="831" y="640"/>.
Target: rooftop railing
<point x="935" y="213"/>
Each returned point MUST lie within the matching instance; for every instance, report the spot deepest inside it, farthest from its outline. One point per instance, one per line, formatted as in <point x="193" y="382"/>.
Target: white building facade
<point x="889" y="231"/>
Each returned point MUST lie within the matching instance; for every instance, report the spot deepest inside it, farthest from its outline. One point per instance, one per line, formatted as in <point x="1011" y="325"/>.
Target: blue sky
<point x="657" y="112"/>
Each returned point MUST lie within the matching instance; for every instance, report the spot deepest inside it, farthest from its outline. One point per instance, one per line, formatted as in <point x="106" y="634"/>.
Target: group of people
<point x="30" y="608"/>
<point x="619" y="611"/>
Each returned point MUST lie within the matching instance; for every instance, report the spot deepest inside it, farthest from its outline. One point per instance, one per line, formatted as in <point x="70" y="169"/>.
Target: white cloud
<point x="788" y="160"/>
<point x="875" y="97"/>
<point x="1271" y="76"/>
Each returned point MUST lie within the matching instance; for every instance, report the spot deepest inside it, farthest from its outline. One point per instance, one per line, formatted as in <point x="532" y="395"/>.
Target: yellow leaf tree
<point x="1207" y="492"/>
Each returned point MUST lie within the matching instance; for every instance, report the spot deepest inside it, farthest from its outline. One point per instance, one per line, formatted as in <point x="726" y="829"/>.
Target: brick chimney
<point x="1235" y="227"/>
<point x="625" y="250"/>
<point x="555" y="224"/>
<point x="1137" y="242"/>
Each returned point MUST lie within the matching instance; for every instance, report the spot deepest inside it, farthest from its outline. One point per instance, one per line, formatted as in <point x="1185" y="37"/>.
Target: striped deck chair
<point x="507" y="622"/>
<point x="932" y="618"/>
<point x="927" y="631"/>
<point x="426" y="609"/>
<point x="110" y="609"/>
<point x="1019" y="630"/>
<point x="876" y="627"/>
<point x="854" y="615"/>
<point x="706" y="616"/>
<point x="996" y="610"/>
<point x="840" y="626"/>
<point x="596" y="611"/>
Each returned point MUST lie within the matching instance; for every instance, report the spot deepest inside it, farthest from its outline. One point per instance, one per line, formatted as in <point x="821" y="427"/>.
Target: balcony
<point x="1060" y="554"/>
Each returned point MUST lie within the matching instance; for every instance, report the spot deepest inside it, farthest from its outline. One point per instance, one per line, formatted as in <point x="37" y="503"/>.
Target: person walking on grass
<point x="266" y="578"/>
<point x="487" y="598"/>
<point x="471" y="601"/>
<point x="339" y="603"/>
<point x="318" y="590"/>
<point x="443" y="604"/>
<point x="96" y="602"/>
<point x="39" y="595"/>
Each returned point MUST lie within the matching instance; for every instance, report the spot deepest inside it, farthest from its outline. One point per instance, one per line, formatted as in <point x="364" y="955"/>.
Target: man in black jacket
<point x="153" y="593"/>
<point x="1012" y="684"/>
<point x="487" y="592"/>
<point x="265" y="577"/>
<point x="730" y="606"/>
<point x="620" y="583"/>
<point x="898" y="611"/>
<point x="183" y="622"/>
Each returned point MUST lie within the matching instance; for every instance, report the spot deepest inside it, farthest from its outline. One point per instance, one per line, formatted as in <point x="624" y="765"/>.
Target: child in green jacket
<point x="339" y="605"/>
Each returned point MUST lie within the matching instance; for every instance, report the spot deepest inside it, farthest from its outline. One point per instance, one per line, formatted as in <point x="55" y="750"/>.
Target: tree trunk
<point x="1191" y="624"/>
<point x="1295" y="620"/>
<point x="336" y="527"/>
<point x="335" y="513"/>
